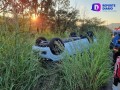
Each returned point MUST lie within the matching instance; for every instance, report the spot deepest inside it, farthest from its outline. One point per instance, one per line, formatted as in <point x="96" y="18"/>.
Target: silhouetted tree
<point x="90" y="24"/>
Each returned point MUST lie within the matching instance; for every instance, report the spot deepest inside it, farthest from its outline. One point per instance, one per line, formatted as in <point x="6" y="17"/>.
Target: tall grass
<point x="21" y="70"/>
<point x="92" y="69"/>
<point x="18" y="71"/>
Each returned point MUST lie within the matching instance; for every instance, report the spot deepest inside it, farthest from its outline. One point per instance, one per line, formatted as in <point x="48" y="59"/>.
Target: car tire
<point x="90" y="35"/>
<point x="39" y="40"/>
<point x="56" y="46"/>
<point x="73" y="34"/>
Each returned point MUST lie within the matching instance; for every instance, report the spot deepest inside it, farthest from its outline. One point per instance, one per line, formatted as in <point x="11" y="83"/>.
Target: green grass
<point x="90" y="71"/>
<point x="20" y="69"/>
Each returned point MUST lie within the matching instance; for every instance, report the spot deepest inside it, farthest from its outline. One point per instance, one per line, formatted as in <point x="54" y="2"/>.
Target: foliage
<point x="20" y="69"/>
<point x="92" y="69"/>
<point x="91" y="24"/>
<point x="66" y="20"/>
<point x="53" y="15"/>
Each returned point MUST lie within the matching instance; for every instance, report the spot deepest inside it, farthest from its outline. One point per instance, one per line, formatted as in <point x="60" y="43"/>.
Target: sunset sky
<point x="86" y="5"/>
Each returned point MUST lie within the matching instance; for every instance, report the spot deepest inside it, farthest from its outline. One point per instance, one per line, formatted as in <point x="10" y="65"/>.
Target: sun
<point x="34" y="17"/>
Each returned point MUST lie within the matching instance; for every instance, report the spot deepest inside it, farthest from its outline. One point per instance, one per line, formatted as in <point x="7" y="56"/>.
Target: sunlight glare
<point x="34" y="17"/>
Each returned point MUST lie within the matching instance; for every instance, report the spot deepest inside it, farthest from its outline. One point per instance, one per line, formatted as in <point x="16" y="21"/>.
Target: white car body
<point x="70" y="48"/>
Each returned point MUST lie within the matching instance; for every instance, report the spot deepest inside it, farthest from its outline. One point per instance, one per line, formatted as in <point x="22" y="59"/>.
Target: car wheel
<point x="90" y="35"/>
<point x="73" y="34"/>
<point x="39" y="40"/>
<point x="56" y="46"/>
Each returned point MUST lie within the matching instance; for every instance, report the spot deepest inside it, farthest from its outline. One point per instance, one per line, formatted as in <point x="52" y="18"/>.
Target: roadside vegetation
<point x="20" y="69"/>
<point x="91" y="70"/>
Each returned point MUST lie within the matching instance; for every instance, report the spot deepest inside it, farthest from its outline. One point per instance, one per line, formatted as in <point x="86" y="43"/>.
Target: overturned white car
<point x="57" y="49"/>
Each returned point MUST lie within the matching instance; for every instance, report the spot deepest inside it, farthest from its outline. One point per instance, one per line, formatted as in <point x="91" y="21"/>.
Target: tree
<point x="55" y="15"/>
<point x="49" y="14"/>
<point x="90" y="24"/>
<point x="66" y="20"/>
